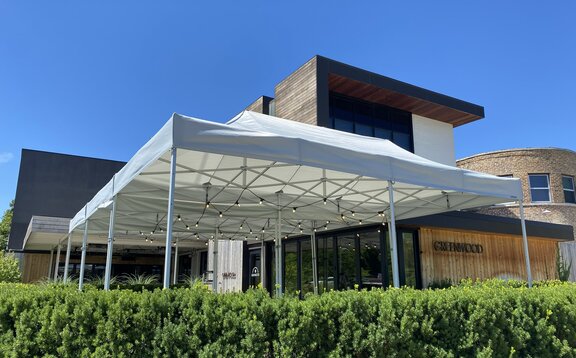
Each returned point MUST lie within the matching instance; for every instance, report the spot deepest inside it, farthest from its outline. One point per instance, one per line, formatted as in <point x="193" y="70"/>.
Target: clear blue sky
<point x="98" y="78"/>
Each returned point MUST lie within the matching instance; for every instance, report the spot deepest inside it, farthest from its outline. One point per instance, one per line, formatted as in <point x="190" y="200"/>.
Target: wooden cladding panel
<point x="296" y="96"/>
<point x="35" y="267"/>
<point x="502" y="257"/>
<point x="371" y="93"/>
<point x="257" y="106"/>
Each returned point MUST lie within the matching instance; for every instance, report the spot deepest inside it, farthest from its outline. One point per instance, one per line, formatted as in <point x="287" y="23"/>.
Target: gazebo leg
<point x="393" y="239"/>
<point x="525" y="244"/>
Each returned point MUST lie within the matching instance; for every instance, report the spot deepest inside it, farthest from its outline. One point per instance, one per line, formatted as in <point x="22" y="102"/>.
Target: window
<point x="539" y="187"/>
<point x="568" y="186"/>
<point x="371" y="119"/>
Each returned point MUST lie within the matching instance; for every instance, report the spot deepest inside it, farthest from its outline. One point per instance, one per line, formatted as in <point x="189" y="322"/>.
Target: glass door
<point x="255" y="265"/>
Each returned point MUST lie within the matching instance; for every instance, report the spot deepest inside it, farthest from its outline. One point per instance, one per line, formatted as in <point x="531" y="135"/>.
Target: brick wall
<point x="522" y="162"/>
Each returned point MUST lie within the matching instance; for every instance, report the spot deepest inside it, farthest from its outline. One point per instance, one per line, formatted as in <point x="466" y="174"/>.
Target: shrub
<point x="9" y="267"/>
<point x="493" y="318"/>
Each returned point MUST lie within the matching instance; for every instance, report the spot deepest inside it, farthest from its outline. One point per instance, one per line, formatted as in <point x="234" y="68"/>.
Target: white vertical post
<point x="57" y="261"/>
<point x="393" y="239"/>
<point x="51" y="266"/>
<point x="215" y="260"/>
<point x="263" y="259"/>
<point x="314" y="258"/>
<point x="278" y="246"/>
<point x="67" y="260"/>
<point x="525" y="244"/>
<point x="170" y="220"/>
<point x="110" y="247"/>
<point x="83" y="257"/>
<point x="175" y="276"/>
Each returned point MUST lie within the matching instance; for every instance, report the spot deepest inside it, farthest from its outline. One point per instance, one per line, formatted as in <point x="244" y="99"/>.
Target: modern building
<point x="51" y="188"/>
<point x="547" y="176"/>
<point x="451" y="245"/>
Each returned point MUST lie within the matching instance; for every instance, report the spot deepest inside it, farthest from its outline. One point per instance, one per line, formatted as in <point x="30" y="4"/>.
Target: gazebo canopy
<point x="230" y="175"/>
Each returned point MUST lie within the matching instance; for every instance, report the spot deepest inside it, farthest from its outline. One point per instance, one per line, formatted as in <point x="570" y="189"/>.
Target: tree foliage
<point x="5" y="225"/>
<point x="9" y="267"/>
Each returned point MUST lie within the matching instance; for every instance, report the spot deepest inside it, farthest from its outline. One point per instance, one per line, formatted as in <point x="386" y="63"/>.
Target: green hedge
<point x="490" y="319"/>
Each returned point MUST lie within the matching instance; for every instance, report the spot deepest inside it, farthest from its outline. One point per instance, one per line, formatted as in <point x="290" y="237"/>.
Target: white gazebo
<point x="259" y="177"/>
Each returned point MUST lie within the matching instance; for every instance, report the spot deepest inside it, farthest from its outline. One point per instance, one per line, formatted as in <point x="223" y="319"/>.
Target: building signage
<point x="458" y="247"/>
<point x="229" y="275"/>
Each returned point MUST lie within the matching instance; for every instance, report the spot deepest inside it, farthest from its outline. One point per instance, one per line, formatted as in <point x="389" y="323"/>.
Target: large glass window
<point x="539" y="187"/>
<point x="306" y="279"/>
<point x="326" y="263"/>
<point x="291" y="267"/>
<point x="371" y="119"/>
<point x="568" y="186"/>
<point x="347" y="261"/>
<point x="370" y="259"/>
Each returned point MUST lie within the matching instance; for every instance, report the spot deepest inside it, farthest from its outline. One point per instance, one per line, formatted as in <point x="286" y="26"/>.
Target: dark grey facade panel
<point x="57" y="185"/>
<point x="361" y="75"/>
<point x="465" y="220"/>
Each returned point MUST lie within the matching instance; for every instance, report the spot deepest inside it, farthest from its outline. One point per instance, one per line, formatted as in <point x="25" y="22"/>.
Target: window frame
<point x="540" y="188"/>
<point x="573" y="190"/>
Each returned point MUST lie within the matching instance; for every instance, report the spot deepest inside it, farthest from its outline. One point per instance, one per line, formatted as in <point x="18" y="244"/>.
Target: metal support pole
<point x="67" y="260"/>
<point x="278" y="247"/>
<point x="110" y="247"/>
<point x="314" y="258"/>
<point x="170" y="220"/>
<point x="263" y="260"/>
<point x="393" y="239"/>
<point x="175" y="277"/>
<point x="215" y="260"/>
<point x="50" y="267"/>
<point x="83" y="257"/>
<point x="525" y="244"/>
<point x="56" y="266"/>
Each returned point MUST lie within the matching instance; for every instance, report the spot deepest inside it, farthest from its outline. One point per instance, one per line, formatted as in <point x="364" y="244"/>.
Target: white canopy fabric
<point x="336" y="178"/>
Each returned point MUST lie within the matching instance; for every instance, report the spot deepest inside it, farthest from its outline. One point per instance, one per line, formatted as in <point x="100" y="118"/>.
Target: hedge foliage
<point x="484" y="320"/>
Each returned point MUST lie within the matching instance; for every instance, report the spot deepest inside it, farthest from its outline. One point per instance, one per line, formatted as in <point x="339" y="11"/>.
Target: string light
<point x="261" y="200"/>
<point x="360" y="222"/>
<point x="342" y="216"/>
<point x="263" y="230"/>
<point x="324" y="201"/>
<point x="241" y="226"/>
<point x="237" y="203"/>
<point x="207" y="204"/>
<point x="250" y="232"/>
<point x="179" y="217"/>
<point x="380" y="213"/>
<point x="187" y="227"/>
<point x="220" y="214"/>
<point x="197" y="223"/>
<point x="325" y="227"/>
<point x="141" y="233"/>
<point x="299" y="225"/>
<point x="294" y="209"/>
<point x="353" y="213"/>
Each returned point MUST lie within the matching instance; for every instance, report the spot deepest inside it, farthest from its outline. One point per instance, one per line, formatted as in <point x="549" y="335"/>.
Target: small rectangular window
<point x="568" y="186"/>
<point x="539" y="187"/>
